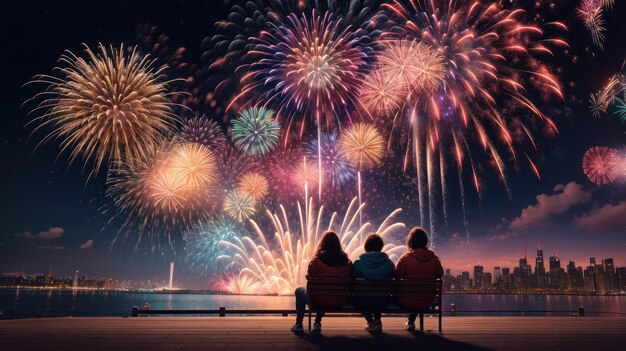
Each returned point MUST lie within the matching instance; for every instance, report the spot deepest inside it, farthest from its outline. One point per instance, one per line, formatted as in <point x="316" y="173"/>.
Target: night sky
<point x="53" y="216"/>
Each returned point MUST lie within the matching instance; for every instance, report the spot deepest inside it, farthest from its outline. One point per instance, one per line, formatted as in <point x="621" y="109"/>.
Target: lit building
<point x="478" y="276"/>
<point x="540" y="270"/>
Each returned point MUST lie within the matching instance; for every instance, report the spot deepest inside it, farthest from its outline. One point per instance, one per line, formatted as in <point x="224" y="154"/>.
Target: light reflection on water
<point x="28" y="303"/>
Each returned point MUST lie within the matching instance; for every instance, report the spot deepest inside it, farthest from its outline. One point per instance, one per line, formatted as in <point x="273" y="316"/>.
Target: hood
<point x="335" y="259"/>
<point x="373" y="259"/>
<point x="422" y="255"/>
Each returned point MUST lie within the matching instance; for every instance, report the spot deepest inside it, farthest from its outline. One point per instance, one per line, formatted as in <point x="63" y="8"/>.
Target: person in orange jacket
<point x="418" y="263"/>
<point x="329" y="262"/>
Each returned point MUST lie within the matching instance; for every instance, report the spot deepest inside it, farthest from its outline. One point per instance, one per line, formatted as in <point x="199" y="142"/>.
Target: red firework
<point x="599" y="165"/>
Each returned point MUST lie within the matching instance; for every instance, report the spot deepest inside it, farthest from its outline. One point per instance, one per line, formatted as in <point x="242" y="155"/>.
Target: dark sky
<point x="40" y="192"/>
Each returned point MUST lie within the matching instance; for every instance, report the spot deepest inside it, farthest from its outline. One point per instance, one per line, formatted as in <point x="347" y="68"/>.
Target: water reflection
<point x="27" y="303"/>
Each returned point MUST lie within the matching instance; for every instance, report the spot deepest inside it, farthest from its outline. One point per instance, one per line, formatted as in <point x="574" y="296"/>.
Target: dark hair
<point x="329" y="250"/>
<point x="417" y="239"/>
<point x="373" y="242"/>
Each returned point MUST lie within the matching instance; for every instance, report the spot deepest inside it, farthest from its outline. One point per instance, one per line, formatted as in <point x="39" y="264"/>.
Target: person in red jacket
<point x="418" y="263"/>
<point x="329" y="262"/>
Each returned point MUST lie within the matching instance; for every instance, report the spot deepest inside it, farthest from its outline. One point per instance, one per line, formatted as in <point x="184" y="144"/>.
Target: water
<point x="28" y="303"/>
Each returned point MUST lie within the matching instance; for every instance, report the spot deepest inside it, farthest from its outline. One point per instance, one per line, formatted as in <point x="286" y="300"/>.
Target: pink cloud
<point x="607" y="217"/>
<point x="52" y="233"/>
<point x="564" y="198"/>
<point x="27" y="235"/>
<point x="87" y="245"/>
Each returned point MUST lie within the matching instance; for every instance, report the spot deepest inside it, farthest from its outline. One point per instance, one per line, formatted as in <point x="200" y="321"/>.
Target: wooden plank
<point x="344" y="333"/>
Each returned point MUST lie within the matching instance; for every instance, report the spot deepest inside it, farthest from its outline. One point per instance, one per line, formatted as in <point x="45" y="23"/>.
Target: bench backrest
<point x="362" y="287"/>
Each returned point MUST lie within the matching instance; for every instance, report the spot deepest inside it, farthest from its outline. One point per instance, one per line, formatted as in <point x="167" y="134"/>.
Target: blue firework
<point x="336" y="168"/>
<point x="205" y="244"/>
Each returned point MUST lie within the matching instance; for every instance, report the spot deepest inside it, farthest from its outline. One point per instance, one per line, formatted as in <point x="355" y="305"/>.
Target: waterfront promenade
<point x="339" y="333"/>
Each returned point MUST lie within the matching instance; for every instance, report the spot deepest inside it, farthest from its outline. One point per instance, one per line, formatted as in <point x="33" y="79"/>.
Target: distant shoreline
<point x="211" y="292"/>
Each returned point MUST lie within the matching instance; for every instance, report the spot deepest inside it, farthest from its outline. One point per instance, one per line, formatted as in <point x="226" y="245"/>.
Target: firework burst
<point x="363" y="145"/>
<point x="336" y="168"/>
<point x="279" y="264"/>
<point x="164" y="192"/>
<point x="381" y="94"/>
<point x="202" y="130"/>
<point x="308" y="64"/>
<point x="489" y="53"/>
<point x="599" y="165"/>
<point x="254" y="184"/>
<point x="255" y="132"/>
<point x="591" y="13"/>
<point x="107" y="106"/>
<point x="239" y="205"/>
<point x="204" y="243"/>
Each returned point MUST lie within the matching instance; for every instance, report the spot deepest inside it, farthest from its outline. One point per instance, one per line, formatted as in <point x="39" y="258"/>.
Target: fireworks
<point x="193" y="165"/>
<point x="308" y="64"/>
<point x="204" y="243"/>
<point x="591" y="12"/>
<point x="489" y="53"/>
<point x="280" y="265"/>
<point x="336" y="168"/>
<point x="305" y="175"/>
<point x="280" y="168"/>
<point x="202" y="130"/>
<point x="255" y="131"/>
<point x="240" y="284"/>
<point x="164" y="192"/>
<point x="363" y="145"/>
<point x="381" y="94"/>
<point x="239" y="205"/>
<point x="599" y="165"/>
<point x="254" y="184"/>
<point x="416" y="66"/>
<point x="108" y="106"/>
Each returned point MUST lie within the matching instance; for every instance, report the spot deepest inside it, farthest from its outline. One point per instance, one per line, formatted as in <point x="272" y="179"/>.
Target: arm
<point x="312" y="270"/>
<point x="400" y="271"/>
<point x="439" y="272"/>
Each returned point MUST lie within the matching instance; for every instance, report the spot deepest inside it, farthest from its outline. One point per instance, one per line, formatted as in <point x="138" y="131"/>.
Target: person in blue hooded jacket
<point x="373" y="265"/>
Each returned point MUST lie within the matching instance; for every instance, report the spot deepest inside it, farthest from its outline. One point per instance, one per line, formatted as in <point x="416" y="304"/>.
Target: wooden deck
<point x="339" y="333"/>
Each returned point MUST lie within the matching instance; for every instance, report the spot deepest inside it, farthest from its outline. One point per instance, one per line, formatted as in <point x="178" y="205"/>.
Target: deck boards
<point x="339" y="333"/>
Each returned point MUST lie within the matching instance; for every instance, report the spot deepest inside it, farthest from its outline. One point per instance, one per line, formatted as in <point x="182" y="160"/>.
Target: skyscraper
<point x="609" y="271"/>
<point x="554" y="278"/>
<point x="497" y="276"/>
<point x="478" y="276"/>
<point x="540" y="270"/>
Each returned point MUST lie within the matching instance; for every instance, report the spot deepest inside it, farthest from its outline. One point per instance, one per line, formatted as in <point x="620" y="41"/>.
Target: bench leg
<point x="440" y="321"/>
<point x="310" y="313"/>
<point x="421" y="322"/>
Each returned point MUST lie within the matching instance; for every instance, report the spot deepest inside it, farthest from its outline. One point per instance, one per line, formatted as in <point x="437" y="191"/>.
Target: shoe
<point x="317" y="327"/>
<point x="409" y="326"/>
<point x="375" y="327"/>
<point x="297" y="328"/>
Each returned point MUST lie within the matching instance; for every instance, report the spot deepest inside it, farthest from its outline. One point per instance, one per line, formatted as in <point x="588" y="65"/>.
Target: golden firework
<point x="363" y="145"/>
<point x="254" y="184"/>
<point x="193" y="165"/>
<point x="239" y="205"/>
<point x="107" y="106"/>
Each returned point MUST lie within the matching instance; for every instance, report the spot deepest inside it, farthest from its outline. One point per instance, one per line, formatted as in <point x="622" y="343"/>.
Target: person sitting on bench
<point x="329" y="262"/>
<point x="373" y="265"/>
<point x="418" y="263"/>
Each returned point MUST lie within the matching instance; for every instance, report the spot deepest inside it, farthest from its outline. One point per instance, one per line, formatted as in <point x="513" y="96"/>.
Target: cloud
<point x="27" y="235"/>
<point x="607" y="217"/>
<point x="564" y="198"/>
<point x="48" y="247"/>
<point x="52" y="233"/>
<point x="87" y="245"/>
<point x="501" y="237"/>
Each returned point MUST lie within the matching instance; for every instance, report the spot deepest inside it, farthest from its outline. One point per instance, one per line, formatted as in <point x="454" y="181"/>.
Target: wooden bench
<point x="363" y="288"/>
